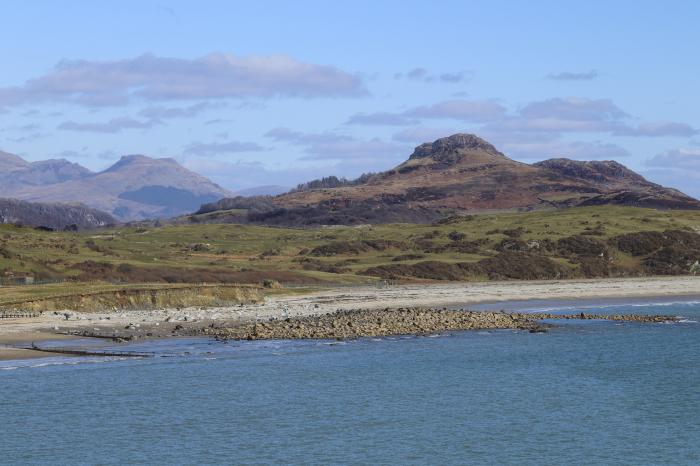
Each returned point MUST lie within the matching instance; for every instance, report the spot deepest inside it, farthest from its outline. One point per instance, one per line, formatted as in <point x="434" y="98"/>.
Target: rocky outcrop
<point x="445" y="147"/>
<point x="506" y="265"/>
<point x="600" y="171"/>
<point x="53" y="216"/>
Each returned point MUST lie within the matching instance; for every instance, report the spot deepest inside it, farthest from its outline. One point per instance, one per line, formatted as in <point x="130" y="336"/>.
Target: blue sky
<point x="258" y="93"/>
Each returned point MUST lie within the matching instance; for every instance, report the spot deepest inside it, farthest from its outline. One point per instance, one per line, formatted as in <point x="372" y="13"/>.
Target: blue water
<point x="584" y="393"/>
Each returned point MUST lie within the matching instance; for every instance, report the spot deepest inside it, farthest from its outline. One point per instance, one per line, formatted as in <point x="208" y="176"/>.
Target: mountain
<point x="41" y="174"/>
<point x="10" y="162"/>
<point x="136" y="187"/>
<point x="53" y="216"/>
<point x="461" y="173"/>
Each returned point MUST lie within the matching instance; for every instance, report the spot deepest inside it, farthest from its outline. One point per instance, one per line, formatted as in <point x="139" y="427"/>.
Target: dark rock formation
<point x="53" y="216"/>
<point x="445" y="148"/>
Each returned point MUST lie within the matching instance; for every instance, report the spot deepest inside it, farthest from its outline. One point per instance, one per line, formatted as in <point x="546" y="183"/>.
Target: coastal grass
<point x="229" y="253"/>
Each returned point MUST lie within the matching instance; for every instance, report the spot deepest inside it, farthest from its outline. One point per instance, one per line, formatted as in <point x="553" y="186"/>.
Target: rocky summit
<point x="453" y="145"/>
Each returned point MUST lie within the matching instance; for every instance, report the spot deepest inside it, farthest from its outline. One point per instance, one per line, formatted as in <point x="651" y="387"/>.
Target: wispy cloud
<point x="677" y="167"/>
<point x="381" y="118"/>
<point x="115" y="125"/>
<point x="28" y="137"/>
<point x="473" y="111"/>
<point x="423" y="75"/>
<point x="302" y="138"/>
<point x="421" y="134"/>
<point x="216" y="148"/>
<point x="165" y="113"/>
<point x="476" y="111"/>
<point x="682" y="158"/>
<point x="573" y="108"/>
<point x="564" y="115"/>
<point x="573" y="76"/>
<point x="578" y="150"/>
<point x="659" y="129"/>
<point x="333" y="146"/>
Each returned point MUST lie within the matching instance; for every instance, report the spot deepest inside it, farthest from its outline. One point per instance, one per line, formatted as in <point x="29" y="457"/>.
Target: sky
<point x="278" y="93"/>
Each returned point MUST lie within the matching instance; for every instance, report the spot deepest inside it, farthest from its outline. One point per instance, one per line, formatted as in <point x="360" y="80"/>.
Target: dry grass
<point x="99" y="297"/>
<point x="221" y="253"/>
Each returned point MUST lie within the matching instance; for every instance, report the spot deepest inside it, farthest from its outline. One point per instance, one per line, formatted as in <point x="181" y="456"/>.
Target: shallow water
<point x="584" y="393"/>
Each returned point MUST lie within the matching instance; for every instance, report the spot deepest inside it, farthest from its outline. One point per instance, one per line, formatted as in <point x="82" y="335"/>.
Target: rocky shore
<point x="378" y="323"/>
<point x="274" y="310"/>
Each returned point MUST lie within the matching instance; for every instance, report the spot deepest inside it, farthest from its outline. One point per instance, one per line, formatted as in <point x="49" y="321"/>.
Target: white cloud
<point x="115" y="125"/>
<point x="573" y="108"/>
<point x="677" y="159"/>
<point x="658" y="129"/>
<point x="578" y="150"/>
<point x="333" y="146"/>
<point x="422" y="74"/>
<point x="421" y="134"/>
<point x="215" y="148"/>
<point x="298" y="137"/>
<point x="356" y="150"/>
<point x="149" y="77"/>
<point x="477" y="111"/>
<point x="679" y="168"/>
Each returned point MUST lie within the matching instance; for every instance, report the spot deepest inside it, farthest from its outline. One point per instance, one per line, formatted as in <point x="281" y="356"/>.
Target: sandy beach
<point x="51" y="325"/>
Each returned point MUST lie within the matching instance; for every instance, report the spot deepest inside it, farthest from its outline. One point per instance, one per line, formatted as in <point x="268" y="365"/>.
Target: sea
<point x="584" y="393"/>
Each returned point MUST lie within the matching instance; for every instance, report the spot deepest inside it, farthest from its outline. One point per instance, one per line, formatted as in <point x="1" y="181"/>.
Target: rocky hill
<point x="136" y="187"/>
<point x="52" y="216"/>
<point x="461" y="173"/>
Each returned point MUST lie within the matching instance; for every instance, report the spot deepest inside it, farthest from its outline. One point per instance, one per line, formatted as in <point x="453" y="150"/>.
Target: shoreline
<point x="487" y="295"/>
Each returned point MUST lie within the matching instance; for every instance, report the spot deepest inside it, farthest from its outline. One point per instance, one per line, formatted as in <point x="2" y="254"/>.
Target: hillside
<point x="136" y="187"/>
<point x="461" y="173"/>
<point x="52" y="216"/>
<point x="603" y="241"/>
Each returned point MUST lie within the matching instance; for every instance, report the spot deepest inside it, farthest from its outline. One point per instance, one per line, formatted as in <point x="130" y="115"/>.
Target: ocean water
<point x="584" y="393"/>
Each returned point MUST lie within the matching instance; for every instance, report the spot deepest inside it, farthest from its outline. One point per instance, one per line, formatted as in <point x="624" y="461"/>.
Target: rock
<point x="376" y="323"/>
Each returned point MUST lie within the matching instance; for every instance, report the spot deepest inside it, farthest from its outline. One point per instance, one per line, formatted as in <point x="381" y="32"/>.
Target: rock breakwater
<point x="377" y="323"/>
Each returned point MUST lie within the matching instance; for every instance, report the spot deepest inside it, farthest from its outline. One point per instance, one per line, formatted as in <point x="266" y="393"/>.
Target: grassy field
<point x="341" y="255"/>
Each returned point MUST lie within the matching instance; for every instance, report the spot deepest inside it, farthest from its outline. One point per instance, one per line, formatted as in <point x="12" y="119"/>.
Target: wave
<point x="49" y="362"/>
<point x="574" y="307"/>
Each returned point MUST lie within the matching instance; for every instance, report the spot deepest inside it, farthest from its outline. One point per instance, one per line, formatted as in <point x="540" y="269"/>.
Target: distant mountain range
<point x="136" y="187"/>
<point x="458" y="174"/>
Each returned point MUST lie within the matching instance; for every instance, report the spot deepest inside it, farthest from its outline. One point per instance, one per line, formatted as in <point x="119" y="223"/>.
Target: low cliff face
<point x="53" y="216"/>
